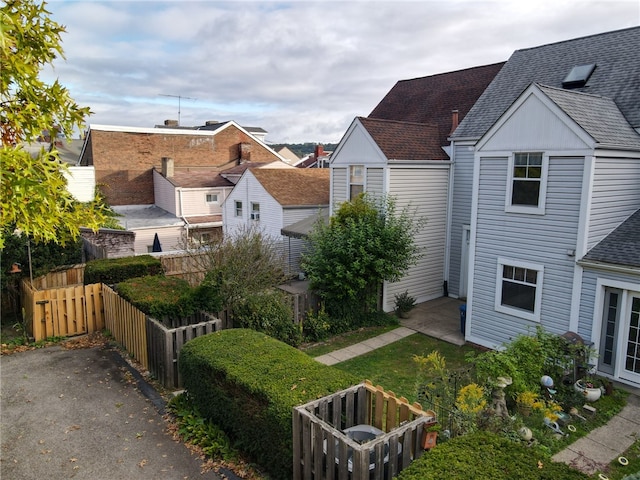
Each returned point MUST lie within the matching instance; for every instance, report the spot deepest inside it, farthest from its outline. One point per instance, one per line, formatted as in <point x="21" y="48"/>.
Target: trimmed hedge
<point x="116" y="270"/>
<point x="486" y="456"/>
<point x="248" y="384"/>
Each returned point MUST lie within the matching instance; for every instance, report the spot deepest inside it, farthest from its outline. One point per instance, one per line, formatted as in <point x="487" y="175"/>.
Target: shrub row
<point x="248" y="383"/>
<point x="486" y="456"/>
<point x="116" y="270"/>
<point x="167" y="297"/>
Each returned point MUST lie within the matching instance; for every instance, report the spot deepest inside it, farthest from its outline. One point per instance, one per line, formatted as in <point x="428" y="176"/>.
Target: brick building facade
<point x="124" y="157"/>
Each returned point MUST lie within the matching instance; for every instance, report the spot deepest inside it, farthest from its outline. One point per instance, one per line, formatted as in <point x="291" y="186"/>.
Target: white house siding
<point x="425" y="189"/>
<point x="541" y="239"/>
<point x="616" y="195"/>
<point x="164" y="194"/>
<point x="461" y="209"/>
<point x="338" y="187"/>
<point x="81" y="183"/>
<point x="374" y="181"/>
<point x="171" y="238"/>
<point x="194" y="201"/>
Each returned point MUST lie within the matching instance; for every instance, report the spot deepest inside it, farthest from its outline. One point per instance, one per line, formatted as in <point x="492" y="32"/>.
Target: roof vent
<point x="578" y="76"/>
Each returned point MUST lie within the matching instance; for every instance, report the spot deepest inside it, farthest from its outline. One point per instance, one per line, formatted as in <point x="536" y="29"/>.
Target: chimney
<point x="454" y="121"/>
<point x="244" y="150"/>
<point x="319" y="152"/>
<point x="171" y="123"/>
<point x="167" y="167"/>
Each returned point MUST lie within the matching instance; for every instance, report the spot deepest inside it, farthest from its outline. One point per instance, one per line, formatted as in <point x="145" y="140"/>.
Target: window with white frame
<point x="356" y="181"/>
<point x="238" y="208"/>
<point x="527" y="182"/>
<point x="519" y="288"/>
<point x="255" y="211"/>
<point x="212" y="198"/>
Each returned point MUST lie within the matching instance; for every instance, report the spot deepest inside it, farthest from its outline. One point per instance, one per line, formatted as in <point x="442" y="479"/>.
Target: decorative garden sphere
<point x="546" y="381"/>
<point x="525" y="433"/>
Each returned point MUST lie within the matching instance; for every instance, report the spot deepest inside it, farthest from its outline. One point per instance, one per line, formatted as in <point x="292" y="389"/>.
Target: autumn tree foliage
<point x="33" y="195"/>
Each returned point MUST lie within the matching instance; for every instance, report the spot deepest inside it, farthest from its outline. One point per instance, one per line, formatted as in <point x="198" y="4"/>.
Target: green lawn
<point x="393" y="368"/>
<point x="345" y="340"/>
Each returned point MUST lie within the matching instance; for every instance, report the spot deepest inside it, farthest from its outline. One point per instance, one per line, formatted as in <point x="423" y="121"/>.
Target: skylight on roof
<point x="578" y="76"/>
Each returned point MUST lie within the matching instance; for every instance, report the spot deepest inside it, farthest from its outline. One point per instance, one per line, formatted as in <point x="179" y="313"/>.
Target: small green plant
<point x="316" y="326"/>
<point x="404" y="303"/>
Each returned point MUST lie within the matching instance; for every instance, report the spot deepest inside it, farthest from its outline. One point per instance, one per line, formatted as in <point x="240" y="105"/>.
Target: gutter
<point x="610" y="267"/>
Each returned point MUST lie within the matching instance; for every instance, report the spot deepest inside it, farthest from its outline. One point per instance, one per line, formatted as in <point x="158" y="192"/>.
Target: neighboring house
<point x="318" y="159"/>
<point x="554" y="227"/>
<point x="272" y="199"/>
<point x="172" y="180"/>
<point x="401" y="150"/>
<point x="289" y="157"/>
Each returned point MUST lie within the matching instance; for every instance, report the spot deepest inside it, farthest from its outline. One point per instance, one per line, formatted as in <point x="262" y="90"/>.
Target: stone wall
<point x="107" y="243"/>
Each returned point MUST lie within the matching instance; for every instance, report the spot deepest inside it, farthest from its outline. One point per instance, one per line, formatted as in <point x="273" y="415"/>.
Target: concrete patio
<point x="439" y="318"/>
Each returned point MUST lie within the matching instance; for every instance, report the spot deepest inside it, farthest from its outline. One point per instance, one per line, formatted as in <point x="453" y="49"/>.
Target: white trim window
<point x="211" y="198"/>
<point x="356" y="181"/>
<point x="237" y="205"/>
<point x="519" y="288"/>
<point x="527" y="183"/>
<point x="255" y="211"/>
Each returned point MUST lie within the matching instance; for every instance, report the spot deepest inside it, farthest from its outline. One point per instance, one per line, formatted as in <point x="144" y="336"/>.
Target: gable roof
<point x="600" y="117"/>
<point x="405" y="140"/>
<point x="620" y="247"/>
<point x="431" y="99"/>
<point x="295" y="186"/>
<point x="615" y="54"/>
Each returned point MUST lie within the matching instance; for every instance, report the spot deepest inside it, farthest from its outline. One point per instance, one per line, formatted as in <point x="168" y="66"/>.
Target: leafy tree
<point x="240" y="265"/>
<point x="33" y="194"/>
<point x="367" y="241"/>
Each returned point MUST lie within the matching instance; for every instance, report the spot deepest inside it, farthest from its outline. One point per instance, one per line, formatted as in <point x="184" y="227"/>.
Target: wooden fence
<point x="189" y="267"/>
<point x="323" y="450"/>
<point x="62" y="312"/>
<point x="62" y="278"/>
<point x="164" y="345"/>
<point x="127" y="324"/>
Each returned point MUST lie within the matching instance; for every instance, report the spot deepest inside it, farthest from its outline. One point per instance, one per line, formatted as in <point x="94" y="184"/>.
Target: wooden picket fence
<point x="126" y="324"/>
<point x="322" y="450"/>
<point x="70" y="276"/>
<point x="62" y="312"/>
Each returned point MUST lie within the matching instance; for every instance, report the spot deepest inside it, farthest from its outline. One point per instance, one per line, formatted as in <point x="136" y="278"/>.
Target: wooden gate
<point x="62" y="312"/>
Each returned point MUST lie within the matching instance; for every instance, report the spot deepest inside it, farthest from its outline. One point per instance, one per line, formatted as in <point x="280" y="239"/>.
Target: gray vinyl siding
<point x="616" y="195"/>
<point x="424" y="189"/>
<point x="541" y="239"/>
<point x="338" y="186"/>
<point x="294" y="247"/>
<point x="461" y="211"/>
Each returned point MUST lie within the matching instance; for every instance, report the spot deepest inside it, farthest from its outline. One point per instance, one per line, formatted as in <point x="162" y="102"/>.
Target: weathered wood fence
<point x="323" y="451"/>
<point x="164" y="344"/>
<point x="62" y="312"/>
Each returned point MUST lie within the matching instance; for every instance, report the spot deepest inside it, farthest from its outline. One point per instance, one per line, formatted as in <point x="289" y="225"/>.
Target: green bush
<point x="165" y="297"/>
<point x="116" y="270"/>
<point x="270" y="313"/>
<point x="248" y="383"/>
<point x="485" y="456"/>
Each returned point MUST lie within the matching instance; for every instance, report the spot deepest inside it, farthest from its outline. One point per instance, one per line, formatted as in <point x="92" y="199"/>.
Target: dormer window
<point x="578" y="76"/>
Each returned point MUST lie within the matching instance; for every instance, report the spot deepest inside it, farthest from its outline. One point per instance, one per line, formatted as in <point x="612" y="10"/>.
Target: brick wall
<point x="124" y="160"/>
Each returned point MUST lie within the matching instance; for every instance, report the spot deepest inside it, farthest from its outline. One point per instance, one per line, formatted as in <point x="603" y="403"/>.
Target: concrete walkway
<point x="589" y="454"/>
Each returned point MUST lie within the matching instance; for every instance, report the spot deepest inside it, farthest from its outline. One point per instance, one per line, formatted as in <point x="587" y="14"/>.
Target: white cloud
<point x="301" y="70"/>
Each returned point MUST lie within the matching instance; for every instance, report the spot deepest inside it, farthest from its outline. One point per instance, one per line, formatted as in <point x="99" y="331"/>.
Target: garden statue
<point x="498" y="403"/>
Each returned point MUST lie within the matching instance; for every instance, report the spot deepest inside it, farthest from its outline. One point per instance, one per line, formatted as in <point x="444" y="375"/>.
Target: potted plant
<point x="526" y="401"/>
<point x="404" y="304"/>
<point x="588" y="388"/>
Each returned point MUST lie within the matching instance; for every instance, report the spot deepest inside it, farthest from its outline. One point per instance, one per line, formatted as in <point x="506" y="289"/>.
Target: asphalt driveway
<point x="80" y="414"/>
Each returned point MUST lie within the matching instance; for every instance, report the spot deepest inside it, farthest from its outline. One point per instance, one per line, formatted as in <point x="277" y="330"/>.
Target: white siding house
<point x="271" y="199"/>
<point x="404" y="161"/>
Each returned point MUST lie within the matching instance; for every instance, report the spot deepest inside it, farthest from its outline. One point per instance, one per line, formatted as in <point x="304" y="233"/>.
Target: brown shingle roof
<point x="295" y="186"/>
<point x="405" y="140"/>
<point x="199" y="178"/>
<point x="431" y="99"/>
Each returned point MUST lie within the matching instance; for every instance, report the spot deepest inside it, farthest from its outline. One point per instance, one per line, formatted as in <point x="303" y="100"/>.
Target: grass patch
<point x="345" y="340"/>
<point x="392" y="366"/>
<point x="632" y="454"/>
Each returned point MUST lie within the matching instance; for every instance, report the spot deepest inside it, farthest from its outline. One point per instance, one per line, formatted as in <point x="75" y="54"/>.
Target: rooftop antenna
<point x="179" y="97"/>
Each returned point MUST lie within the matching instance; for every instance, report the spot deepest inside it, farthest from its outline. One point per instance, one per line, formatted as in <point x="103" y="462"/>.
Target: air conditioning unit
<point x="255" y="216"/>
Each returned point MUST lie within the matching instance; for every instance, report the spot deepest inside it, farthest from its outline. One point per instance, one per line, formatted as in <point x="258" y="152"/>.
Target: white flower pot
<point x="590" y="394"/>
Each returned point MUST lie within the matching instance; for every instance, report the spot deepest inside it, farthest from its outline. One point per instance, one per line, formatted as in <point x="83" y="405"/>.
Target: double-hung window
<point x="356" y="181"/>
<point x="527" y="182"/>
<point x="519" y="288"/>
<point x="212" y="198"/>
<point x="255" y="211"/>
<point x="238" y="208"/>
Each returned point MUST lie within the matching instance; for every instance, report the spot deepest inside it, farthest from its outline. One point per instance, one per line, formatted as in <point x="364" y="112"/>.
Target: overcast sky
<point x="301" y="70"/>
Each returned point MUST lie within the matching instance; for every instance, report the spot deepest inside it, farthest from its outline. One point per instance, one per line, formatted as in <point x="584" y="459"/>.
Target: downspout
<point x="180" y="215"/>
